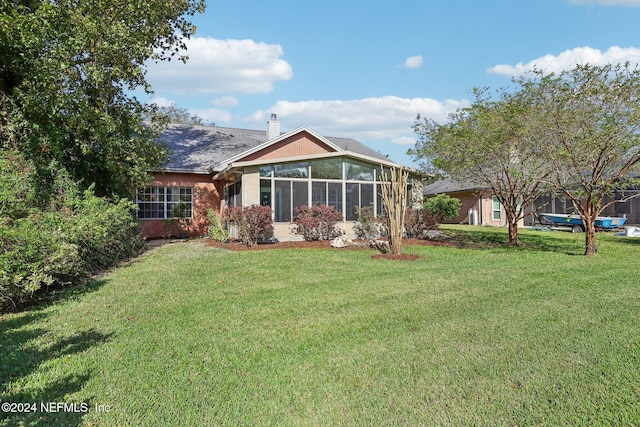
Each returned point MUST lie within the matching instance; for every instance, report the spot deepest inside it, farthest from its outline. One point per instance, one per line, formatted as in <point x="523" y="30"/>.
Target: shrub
<point x="367" y="226"/>
<point x="254" y="223"/>
<point x="217" y="230"/>
<point x="317" y="222"/>
<point x="104" y="231"/>
<point x="78" y="235"/>
<point x="443" y="207"/>
<point x="418" y="221"/>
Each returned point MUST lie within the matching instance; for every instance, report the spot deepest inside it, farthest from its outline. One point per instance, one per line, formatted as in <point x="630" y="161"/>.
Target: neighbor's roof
<point x="448" y="185"/>
<point x="197" y="148"/>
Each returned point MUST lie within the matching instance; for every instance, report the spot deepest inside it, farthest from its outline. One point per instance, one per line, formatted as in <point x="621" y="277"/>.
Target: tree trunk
<point x="513" y="232"/>
<point x="394" y="194"/>
<point x="591" y="246"/>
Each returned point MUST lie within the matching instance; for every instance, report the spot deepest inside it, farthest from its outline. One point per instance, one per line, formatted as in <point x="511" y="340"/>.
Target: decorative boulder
<point x="339" y="242"/>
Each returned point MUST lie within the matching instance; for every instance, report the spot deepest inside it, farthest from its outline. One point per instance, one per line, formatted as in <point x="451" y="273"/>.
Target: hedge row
<point x="48" y="248"/>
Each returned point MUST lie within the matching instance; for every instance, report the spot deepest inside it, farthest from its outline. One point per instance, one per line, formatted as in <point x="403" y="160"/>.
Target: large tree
<point x="588" y="123"/>
<point x="488" y="144"/>
<point x="68" y="69"/>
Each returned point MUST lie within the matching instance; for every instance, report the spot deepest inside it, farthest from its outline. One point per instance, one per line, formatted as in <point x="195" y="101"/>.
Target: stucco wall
<point x="206" y="195"/>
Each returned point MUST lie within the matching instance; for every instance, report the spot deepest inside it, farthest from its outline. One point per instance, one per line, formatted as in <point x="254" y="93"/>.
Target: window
<point x="334" y="195"/>
<point x="346" y="184"/>
<point x="282" y="201"/>
<point x="496" y="208"/>
<point x="291" y="170"/>
<point x="265" y="171"/>
<point x="327" y="169"/>
<point x="165" y="202"/>
<point x="234" y="195"/>
<point x="358" y="171"/>
<point x="265" y="192"/>
<point x="352" y="201"/>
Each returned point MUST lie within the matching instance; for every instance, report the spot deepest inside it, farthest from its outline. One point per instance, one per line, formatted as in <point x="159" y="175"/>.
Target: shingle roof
<point x="198" y="148"/>
<point x="448" y="185"/>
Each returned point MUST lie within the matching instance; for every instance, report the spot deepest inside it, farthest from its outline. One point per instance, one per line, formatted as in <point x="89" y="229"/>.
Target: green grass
<point x="192" y="335"/>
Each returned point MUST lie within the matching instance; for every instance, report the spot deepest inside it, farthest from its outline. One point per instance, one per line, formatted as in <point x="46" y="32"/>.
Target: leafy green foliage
<point x="175" y="114"/>
<point x="489" y="145"/>
<point x="66" y="72"/>
<point x="443" y="207"/>
<point x="317" y="222"/>
<point x="587" y="124"/>
<point x="217" y="230"/>
<point x="59" y="238"/>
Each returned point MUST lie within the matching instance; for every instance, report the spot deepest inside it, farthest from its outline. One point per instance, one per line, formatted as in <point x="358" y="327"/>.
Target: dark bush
<point x="368" y="226"/>
<point x="60" y="237"/>
<point x="418" y="221"/>
<point x="317" y="222"/>
<point x="254" y="223"/>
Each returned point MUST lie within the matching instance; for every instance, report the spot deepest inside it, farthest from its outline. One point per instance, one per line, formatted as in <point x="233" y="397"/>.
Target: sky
<point x="364" y="69"/>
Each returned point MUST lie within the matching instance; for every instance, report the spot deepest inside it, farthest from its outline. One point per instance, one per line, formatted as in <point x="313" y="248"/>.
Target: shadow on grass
<point x="496" y="238"/>
<point x="53" y="295"/>
<point x="24" y="353"/>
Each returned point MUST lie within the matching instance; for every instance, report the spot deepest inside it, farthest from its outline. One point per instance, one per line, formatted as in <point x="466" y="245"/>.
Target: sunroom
<point x="347" y="181"/>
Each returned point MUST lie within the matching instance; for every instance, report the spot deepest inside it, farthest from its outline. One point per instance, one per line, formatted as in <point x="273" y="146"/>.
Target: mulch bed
<point x="325" y="244"/>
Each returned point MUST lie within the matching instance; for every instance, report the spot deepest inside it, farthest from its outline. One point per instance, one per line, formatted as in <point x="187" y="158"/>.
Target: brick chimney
<point x="273" y="128"/>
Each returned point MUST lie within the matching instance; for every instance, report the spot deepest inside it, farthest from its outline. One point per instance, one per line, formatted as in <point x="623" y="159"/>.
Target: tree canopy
<point x="487" y="144"/>
<point x="67" y="73"/>
<point x="576" y="132"/>
<point x="588" y="123"/>
<point x="175" y="114"/>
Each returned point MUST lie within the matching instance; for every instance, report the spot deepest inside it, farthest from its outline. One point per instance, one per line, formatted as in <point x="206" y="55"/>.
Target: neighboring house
<point x="490" y="211"/>
<point x="213" y="167"/>
<point x="478" y="205"/>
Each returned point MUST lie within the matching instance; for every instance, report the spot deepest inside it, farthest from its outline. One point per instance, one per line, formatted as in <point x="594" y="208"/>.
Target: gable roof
<point x="205" y="149"/>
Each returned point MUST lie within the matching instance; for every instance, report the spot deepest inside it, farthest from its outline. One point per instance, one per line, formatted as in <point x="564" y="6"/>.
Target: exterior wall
<point x="483" y="203"/>
<point x="206" y="195"/>
<point x="301" y="144"/>
<point x="251" y="186"/>
<point x="468" y="200"/>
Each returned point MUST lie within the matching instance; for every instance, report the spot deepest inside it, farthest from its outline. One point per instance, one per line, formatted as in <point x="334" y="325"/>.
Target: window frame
<point x="163" y="199"/>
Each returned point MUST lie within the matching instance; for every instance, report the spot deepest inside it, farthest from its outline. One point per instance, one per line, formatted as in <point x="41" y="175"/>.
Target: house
<point x="487" y="209"/>
<point x="478" y="205"/>
<point x="215" y="167"/>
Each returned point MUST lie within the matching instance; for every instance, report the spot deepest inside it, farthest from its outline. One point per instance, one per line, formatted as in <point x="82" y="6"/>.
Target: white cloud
<point x="388" y="118"/>
<point x="222" y="66"/>
<point x="212" y="115"/>
<point x="413" y="62"/>
<point x="161" y="101"/>
<point x="632" y="3"/>
<point x="225" y="101"/>
<point x="569" y="59"/>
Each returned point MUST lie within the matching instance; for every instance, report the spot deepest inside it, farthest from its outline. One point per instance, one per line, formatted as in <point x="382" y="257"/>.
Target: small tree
<point x="588" y="126"/>
<point x="396" y="197"/>
<point x="489" y="144"/>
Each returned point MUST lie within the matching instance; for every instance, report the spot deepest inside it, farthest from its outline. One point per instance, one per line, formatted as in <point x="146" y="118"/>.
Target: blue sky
<point x="365" y="69"/>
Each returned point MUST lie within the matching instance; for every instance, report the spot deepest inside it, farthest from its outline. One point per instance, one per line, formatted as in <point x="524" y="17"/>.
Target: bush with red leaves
<point x="317" y="222"/>
<point x="254" y="223"/>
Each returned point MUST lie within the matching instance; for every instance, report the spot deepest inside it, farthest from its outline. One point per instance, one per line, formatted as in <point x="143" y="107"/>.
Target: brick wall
<point x="206" y="195"/>
<point x="302" y="144"/>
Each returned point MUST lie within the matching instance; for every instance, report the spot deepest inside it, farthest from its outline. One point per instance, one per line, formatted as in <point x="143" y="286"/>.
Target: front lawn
<point x="194" y="335"/>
